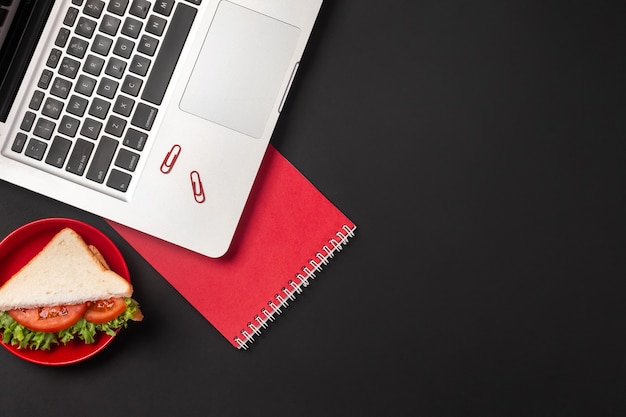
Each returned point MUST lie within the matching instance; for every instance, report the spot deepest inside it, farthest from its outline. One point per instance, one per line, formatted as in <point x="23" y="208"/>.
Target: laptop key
<point x="140" y="8"/>
<point x="52" y="108"/>
<point x="44" y="80"/>
<point x="85" y="85"/>
<point x="27" y="121"/>
<point x="148" y="45"/>
<point x="61" y="87"/>
<point x="110" y="24"/>
<point x="77" y="105"/>
<point x="101" y="45"/>
<point x="91" y="128"/>
<point x="118" y="7"/>
<point x="132" y="85"/>
<point x="123" y="105"/>
<point x="69" y="126"/>
<point x="94" y="8"/>
<point x="70" y="16"/>
<point x="115" y="67"/>
<point x="164" y="7"/>
<point x="44" y="128"/>
<point x="135" y="139"/>
<point x="108" y="87"/>
<point x="127" y="160"/>
<point x="156" y="25"/>
<point x="99" y="108"/>
<point x="144" y="116"/>
<point x="115" y="126"/>
<point x="124" y="47"/>
<point x="69" y="67"/>
<point x="102" y="159"/>
<point x="139" y="65"/>
<point x="58" y="151"/>
<point x="79" y="157"/>
<point x="62" y="37"/>
<point x="132" y="27"/>
<point x="93" y="65"/>
<point x="77" y="47"/>
<point x="53" y="58"/>
<point x="19" y="142"/>
<point x="85" y="27"/>
<point x="36" y="100"/>
<point x="36" y="149"/>
<point x="119" y="180"/>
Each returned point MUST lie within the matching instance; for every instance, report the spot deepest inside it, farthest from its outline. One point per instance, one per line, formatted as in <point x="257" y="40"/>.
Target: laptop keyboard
<point x="92" y="111"/>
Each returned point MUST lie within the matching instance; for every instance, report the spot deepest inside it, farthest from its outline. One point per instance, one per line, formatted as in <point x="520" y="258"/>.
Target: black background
<point x="479" y="147"/>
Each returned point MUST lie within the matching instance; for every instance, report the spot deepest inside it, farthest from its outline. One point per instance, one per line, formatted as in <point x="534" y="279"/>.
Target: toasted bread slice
<point x="65" y="272"/>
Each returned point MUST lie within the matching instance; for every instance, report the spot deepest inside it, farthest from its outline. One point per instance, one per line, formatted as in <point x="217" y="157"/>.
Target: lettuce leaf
<point x="13" y="333"/>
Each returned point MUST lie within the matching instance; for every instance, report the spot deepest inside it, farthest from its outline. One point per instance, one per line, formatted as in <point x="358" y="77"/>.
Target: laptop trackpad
<point x="239" y="72"/>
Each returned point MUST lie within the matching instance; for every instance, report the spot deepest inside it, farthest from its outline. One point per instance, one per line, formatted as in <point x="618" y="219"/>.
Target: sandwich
<point x="67" y="291"/>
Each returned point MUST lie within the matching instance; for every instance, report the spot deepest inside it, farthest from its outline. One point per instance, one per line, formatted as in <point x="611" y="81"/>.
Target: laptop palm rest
<point x="239" y="71"/>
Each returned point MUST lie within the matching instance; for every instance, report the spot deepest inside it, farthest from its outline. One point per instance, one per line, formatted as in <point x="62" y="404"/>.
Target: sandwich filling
<point x="17" y="334"/>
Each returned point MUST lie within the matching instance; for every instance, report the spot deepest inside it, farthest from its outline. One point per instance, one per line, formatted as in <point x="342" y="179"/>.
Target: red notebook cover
<point x="289" y="231"/>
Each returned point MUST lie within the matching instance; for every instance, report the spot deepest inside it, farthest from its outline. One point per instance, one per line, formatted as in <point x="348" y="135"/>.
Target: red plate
<point x="22" y="245"/>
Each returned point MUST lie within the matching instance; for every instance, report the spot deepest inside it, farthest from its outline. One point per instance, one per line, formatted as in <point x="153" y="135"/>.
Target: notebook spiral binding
<point x="295" y="287"/>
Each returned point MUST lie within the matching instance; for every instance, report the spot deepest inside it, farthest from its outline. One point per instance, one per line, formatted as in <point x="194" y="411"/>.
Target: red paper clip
<point x="196" y="185"/>
<point x="170" y="159"/>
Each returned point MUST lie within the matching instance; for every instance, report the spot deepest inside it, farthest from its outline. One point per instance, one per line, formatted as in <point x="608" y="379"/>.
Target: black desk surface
<point x="479" y="147"/>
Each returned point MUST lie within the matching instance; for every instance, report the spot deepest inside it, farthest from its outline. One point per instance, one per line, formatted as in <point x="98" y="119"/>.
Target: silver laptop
<point x="152" y="113"/>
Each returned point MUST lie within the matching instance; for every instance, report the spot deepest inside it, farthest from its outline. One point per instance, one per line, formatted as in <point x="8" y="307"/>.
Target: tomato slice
<point x="104" y="310"/>
<point x="49" y="319"/>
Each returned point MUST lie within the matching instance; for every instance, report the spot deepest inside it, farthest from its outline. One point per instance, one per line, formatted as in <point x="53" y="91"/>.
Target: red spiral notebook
<point x="288" y="233"/>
